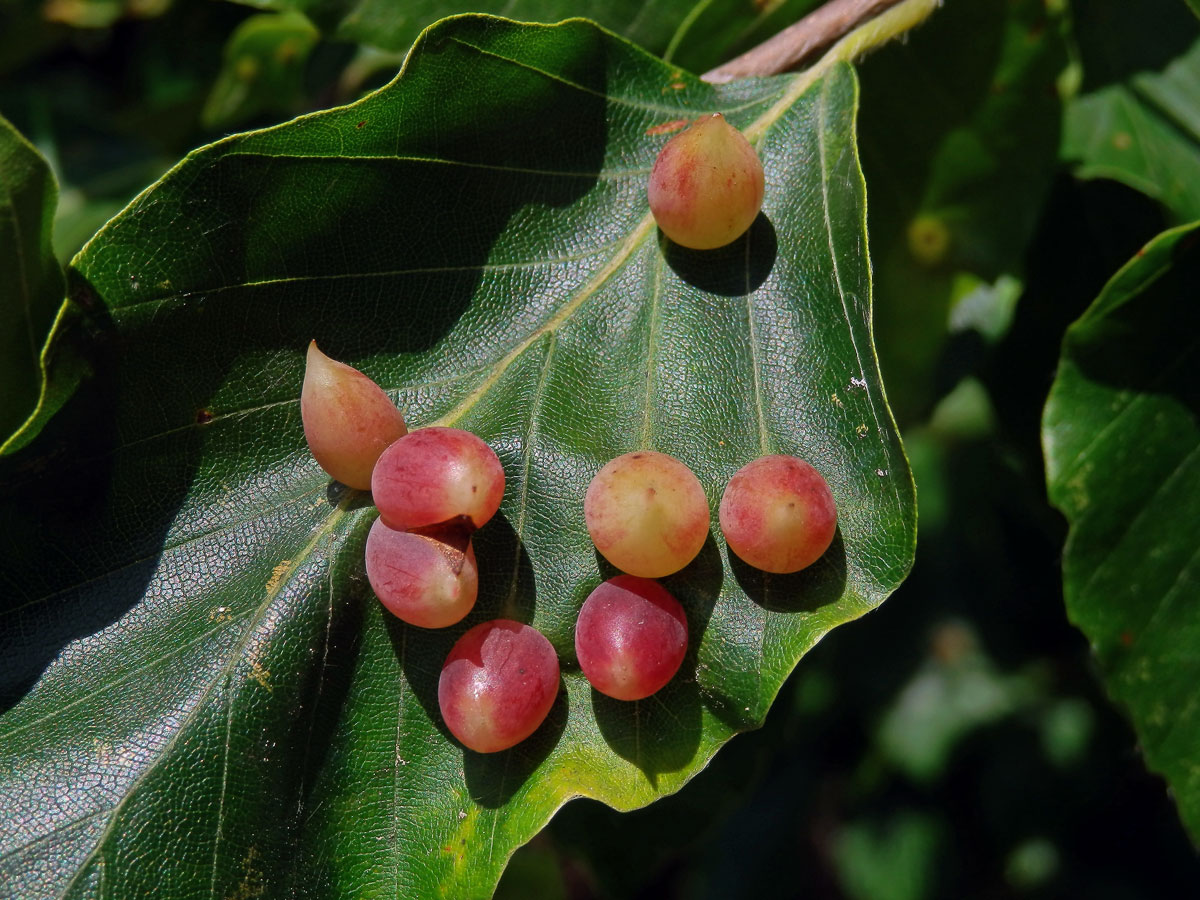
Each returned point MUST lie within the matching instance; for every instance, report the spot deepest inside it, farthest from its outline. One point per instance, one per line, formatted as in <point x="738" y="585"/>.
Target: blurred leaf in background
<point x="263" y="70"/>
<point x="715" y="31"/>
<point x="1136" y="118"/>
<point x="31" y="281"/>
<point x="101" y="13"/>
<point x="960" y="131"/>
<point x="392" y="25"/>
<point x="113" y="107"/>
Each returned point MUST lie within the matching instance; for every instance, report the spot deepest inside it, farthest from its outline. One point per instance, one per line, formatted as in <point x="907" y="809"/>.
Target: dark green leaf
<point x="1138" y="120"/>
<point x="202" y="680"/>
<point x="263" y="69"/>
<point x="31" y="283"/>
<point x="393" y="26"/>
<point x="1122" y="444"/>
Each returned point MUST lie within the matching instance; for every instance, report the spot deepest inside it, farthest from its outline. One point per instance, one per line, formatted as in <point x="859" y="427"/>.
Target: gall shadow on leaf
<point x="421" y="651"/>
<point x="661" y="733"/>
<point x="506" y="590"/>
<point x="734" y="270"/>
<point x="336" y="493"/>
<point x="493" y="778"/>
<point x="808" y="590"/>
<point x="506" y="583"/>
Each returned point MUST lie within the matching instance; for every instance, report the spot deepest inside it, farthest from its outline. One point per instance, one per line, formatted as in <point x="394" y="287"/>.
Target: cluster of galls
<point x="648" y="515"/>
<point x="646" y="512"/>
<point x="434" y="487"/>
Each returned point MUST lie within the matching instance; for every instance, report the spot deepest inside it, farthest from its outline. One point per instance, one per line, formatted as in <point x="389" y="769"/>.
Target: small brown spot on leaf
<point x="261" y="674"/>
<point x="1127" y="638"/>
<point x="1122" y="140"/>
<point x="667" y="127"/>
<point x="360" y="124"/>
<point x="204" y="416"/>
<point x="277" y="575"/>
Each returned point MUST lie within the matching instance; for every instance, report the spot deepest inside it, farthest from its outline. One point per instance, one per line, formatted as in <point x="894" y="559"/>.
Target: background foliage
<point x="960" y="741"/>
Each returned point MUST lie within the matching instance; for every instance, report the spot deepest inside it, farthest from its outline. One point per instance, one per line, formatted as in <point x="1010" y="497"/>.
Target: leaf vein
<point x="822" y="116"/>
<point x="552" y="324"/>
<point x="168" y="548"/>
<point x="1133" y="524"/>
<point x="224" y="785"/>
<point x="227" y="668"/>
<point x="620" y="101"/>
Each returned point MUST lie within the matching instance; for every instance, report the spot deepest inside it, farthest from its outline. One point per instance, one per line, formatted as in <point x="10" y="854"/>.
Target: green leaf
<point x="202" y="679"/>
<point x="31" y="282"/>
<point x="1138" y="119"/>
<point x="263" y="69"/>
<point x="393" y="26"/>
<point x="1122" y="445"/>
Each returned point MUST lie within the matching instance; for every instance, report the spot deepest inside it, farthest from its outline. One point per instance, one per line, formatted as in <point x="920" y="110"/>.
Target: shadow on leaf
<point x="808" y="590"/>
<point x="734" y="270"/>
<point x="506" y="583"/>
<point x="493" y="778"/>
<point x="344" y="227"/>
<point x="662" y="732"/>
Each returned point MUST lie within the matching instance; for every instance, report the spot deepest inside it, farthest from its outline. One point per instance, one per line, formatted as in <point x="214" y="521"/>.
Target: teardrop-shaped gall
<point x="706" y="187"/>
<point x="348" y="419"/>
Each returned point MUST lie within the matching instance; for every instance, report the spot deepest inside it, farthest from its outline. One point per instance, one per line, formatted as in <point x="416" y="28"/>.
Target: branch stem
<point x="855" y="25"/>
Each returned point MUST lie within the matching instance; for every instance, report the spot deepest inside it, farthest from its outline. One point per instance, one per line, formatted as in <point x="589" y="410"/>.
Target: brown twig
<point x="801" y="41"/>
